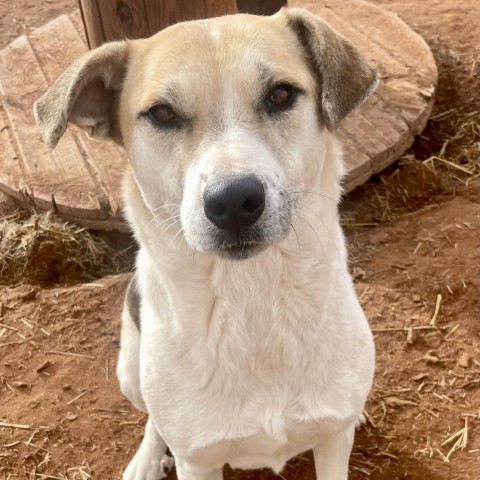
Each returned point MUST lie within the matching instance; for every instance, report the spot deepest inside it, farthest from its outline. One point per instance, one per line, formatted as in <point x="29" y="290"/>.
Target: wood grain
<point x="123" y="19"/>
<point x="92" y="21"/>
<point x="163" y="13"/>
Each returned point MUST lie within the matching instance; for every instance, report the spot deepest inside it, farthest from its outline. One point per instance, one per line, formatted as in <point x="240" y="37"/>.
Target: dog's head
<point x="223" y="120"/>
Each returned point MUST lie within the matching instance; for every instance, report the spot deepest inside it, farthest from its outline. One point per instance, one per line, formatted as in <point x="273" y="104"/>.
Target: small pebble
<point x="464" y="359"/>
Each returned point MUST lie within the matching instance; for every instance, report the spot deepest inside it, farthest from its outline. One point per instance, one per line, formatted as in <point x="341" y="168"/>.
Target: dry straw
<point x="408" y="186"/>
<point x="43" y="249"/>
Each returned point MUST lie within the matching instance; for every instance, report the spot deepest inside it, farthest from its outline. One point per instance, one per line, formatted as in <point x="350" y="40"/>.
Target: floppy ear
<point x="345" y="78"/>
<point x="86" y="94"/>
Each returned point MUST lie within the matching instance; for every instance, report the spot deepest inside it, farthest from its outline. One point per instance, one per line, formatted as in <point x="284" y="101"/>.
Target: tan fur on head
<point x="345" y="78"/>
<point x="85" y="94"/>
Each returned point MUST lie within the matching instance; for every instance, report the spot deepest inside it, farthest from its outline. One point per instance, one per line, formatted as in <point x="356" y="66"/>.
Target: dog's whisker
<point x="312" y="229"/>
<point x="160" y="213"/>
<point x="168" y="227"/>
<point x="298" y="240"/>
<point x="320" y="219"/>
<point x="294" y="190"/>
<point x="180" y="231"/>
<point x="167" y="205"/>
<point x="172" y="223"/>
<point x="182" y="239"/>
<point x="190" y="250"/>
<point x="162" y="222"/>
<point x="173" y="217"/>
<point x="157" y="212"/>
<point x="155" y="218"/>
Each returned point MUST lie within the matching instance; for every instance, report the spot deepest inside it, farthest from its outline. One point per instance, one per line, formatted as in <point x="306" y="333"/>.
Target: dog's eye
<point x="163" y="115"/>
<point x="280" y="97"/>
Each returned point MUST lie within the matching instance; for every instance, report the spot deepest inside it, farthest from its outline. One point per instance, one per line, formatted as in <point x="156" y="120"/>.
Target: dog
<point x="242" y="336"/>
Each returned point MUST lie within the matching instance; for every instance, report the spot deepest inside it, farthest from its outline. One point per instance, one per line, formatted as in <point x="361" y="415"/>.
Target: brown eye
<point x="280" y="96"/>
<point x="163" y="115"/>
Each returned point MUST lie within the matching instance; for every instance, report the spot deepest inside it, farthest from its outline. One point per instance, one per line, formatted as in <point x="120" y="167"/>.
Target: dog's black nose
<point x="234" y="203"/>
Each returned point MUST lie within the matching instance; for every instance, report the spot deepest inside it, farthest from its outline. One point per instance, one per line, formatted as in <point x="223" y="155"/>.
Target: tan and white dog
<point x="253" y="346"/>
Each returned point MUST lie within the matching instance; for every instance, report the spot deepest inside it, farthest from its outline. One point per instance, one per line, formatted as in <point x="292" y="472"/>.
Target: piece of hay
<point x="461" y="440"/>
<point x="43" y="249"/>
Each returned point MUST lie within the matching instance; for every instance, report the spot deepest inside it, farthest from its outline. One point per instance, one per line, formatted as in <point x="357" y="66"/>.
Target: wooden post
<point x="260" y="7"/>
<point x="107" y="20"/>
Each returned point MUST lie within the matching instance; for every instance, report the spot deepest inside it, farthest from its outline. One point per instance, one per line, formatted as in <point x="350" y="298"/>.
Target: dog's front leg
<point x="151" y="461"/>
<point x="332" y="455"/>
<point x="188" y="471"/>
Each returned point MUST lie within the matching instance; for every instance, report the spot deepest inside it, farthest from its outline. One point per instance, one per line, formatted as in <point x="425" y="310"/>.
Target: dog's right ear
<point x="86" y="94"/>
<point x="345" y="79"/>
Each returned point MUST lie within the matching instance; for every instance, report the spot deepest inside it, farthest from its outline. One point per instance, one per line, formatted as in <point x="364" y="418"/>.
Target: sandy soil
<point x="414" y="246"/>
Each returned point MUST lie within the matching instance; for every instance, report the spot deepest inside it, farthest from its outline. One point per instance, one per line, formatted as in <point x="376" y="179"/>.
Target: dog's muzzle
<point x="234" y="204"/>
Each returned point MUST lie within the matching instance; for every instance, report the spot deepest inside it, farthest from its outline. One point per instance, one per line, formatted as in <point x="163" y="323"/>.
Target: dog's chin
<point x="239" y="251"/>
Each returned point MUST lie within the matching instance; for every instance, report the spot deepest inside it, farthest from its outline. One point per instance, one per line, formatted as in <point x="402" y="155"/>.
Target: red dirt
<point x="420" y="245"/>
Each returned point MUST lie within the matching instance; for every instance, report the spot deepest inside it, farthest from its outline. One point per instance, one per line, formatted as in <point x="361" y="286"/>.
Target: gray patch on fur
<point x="132" y="300"/>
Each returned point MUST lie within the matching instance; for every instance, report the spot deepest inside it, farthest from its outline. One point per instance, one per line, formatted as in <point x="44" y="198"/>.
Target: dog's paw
<point x="143" y="467"/>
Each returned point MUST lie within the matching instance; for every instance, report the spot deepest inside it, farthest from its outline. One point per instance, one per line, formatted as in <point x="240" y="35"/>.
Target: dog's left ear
<point x="345" y="77"/>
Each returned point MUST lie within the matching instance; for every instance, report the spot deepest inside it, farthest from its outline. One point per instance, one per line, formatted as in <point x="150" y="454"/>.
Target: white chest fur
<point x="251" y="363"/>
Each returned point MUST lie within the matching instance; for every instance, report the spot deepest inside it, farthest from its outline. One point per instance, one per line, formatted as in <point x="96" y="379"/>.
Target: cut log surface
<point x="81" y="178"/>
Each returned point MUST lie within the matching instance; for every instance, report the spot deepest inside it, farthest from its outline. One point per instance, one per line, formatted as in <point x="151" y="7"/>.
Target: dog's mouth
<point x="239" y="250"/>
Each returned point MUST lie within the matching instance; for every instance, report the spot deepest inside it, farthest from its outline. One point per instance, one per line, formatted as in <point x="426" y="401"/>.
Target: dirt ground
<point x="415" y="256"/>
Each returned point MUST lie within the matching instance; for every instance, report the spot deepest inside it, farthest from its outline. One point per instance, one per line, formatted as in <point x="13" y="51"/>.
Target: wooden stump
<point x="107" y="20"/>
<point x="81" y="178"/>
